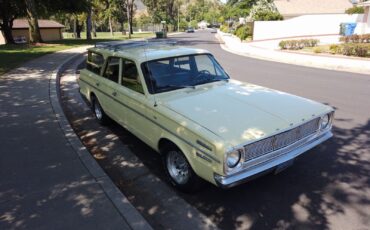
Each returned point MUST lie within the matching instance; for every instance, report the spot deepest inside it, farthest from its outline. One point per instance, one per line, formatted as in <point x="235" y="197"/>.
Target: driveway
<point x="328" y="187"/>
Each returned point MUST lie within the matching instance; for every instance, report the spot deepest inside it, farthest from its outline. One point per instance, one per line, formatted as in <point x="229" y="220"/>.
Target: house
<point x="364" y="25"/>
<point x="203" y="24"/>
<point x="294" y="8"/>
<point x="50" y="30"/>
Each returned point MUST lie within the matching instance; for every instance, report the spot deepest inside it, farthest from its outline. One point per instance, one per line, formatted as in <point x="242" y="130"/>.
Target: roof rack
<point x="118" y="45"/>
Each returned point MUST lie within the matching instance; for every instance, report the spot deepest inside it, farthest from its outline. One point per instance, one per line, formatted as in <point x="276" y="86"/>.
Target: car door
<point x="91" y="77"/>
<point x="131" y="96"/>
<point x="108" y="86"/>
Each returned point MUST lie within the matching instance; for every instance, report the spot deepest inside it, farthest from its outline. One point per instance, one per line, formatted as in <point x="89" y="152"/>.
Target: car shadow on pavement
<point x="325" y="184"/>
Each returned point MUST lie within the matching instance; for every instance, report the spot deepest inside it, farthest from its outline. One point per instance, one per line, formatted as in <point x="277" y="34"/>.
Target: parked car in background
<point x="206" y="126"/>
<point x="190" y="30"/>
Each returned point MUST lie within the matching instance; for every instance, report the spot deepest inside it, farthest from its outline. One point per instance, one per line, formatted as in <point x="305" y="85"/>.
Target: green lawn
<point x="12" y="56"/>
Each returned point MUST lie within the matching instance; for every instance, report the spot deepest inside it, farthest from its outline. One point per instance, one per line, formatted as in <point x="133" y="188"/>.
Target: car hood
<point x="240" y="113"/>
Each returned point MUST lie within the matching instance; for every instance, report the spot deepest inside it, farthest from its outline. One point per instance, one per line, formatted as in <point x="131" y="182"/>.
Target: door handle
<point x="114" y="93"/>
<point x="97" y="83"/>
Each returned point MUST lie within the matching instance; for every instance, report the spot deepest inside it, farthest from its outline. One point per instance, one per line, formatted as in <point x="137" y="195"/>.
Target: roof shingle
<point x="23" y="24"/>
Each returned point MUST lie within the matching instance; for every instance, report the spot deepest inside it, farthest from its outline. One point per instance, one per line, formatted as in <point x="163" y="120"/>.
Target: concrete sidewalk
<point x="45" y="183"/>
<point x="266" y="50"/>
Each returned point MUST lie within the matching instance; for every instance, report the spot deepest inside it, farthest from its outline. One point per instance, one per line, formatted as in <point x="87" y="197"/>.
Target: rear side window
<point x="130" y="76"/>
<point x="112" y="69"/>
<point x="94" y="62"/>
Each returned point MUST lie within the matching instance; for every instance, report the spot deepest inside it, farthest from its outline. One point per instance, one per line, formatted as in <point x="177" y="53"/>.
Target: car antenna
<point x="149" y="72"/>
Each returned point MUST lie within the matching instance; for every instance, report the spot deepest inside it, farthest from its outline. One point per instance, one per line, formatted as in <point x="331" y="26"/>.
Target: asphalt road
<point x="326" y="188"/>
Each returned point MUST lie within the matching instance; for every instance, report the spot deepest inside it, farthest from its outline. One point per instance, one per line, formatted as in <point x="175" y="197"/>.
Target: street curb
<point x="128" y="212"/>
<point x="296" y="62"/>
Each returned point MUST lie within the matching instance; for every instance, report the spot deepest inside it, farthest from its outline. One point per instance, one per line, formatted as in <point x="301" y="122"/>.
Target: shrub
<point x="298" y="44"/>
<point x="224" y="28"/>
<point x="355" y="10"/>
<point x="243" y="32"/>
<point x="318" y="50"/>
<point x="364" y="38"/>
<point x="335" y="49"/>
<point x="361" y="50"/>
<point x="283" y="44"/>
<point x="348" y="49"/>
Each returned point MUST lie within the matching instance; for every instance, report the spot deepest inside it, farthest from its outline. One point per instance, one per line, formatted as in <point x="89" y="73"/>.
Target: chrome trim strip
<point x="275" y="159"/>
<point x="134" y="110"/>
<point x="203" y="157"/>
<point x="204" y="145"/>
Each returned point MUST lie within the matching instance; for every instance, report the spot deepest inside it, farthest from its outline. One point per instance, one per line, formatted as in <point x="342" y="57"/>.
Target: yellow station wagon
<point x="207" y="126"/>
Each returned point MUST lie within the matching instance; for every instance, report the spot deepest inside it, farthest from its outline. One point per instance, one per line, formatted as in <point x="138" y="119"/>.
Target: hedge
<point x="364" y="38"/>
<point x="355" y="10"/>
<point x="298" y="44"/>
<point x="351" y="49"/>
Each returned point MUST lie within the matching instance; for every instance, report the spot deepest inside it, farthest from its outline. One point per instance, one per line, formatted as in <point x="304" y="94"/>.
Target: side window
<point x="204" y="63"/>
<point x="130" y="76"/>
<point x="94" y="62"/>
<point x="182" y="63"/>
<point x="112" y="69"/>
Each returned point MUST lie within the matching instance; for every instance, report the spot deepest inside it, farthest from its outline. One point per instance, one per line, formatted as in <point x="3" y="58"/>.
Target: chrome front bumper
<point x="272" y="160"/>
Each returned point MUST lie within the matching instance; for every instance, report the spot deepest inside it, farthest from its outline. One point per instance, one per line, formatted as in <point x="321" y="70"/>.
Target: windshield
<point x="180" y="72"/>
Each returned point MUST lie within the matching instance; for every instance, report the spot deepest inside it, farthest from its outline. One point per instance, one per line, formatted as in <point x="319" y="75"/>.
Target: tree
<point x="162" y="10"/>
<point x="130" y="15"/>
<point x="32" y="17"/>
<point x="9" y="11"/>
<point x="265" y="10"/>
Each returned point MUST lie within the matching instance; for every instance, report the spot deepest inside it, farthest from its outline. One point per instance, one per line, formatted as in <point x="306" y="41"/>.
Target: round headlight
<point x="325" y="120"/>
<point x="233" y="158"/>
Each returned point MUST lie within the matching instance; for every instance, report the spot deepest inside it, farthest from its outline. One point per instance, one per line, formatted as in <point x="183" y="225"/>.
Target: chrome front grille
<point x="280" y="140"/>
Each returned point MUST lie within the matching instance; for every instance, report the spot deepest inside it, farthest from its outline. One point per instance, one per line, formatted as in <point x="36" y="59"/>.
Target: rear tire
<point x="99" y="113"/>
<point x="179" y="171"/>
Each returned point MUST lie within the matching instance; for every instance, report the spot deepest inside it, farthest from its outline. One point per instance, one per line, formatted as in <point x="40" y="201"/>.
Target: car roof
<point x="143" y="52"/>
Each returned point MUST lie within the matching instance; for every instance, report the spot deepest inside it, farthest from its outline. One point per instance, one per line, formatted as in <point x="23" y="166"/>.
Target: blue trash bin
<point x="349" y="28"/>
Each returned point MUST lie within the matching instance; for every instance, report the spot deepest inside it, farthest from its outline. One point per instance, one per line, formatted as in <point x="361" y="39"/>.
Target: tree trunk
<point x="35" y="35"/>
<point x="94" y="28"/>
<point x="128" y="8"/>
<point x="6" y="27"/>
<point x="78" y="29"/>
<point x="93" y="23"/>
<point x="110" y="26"/>
<point x="75" y="27"/>
<point x="88" y="24"/>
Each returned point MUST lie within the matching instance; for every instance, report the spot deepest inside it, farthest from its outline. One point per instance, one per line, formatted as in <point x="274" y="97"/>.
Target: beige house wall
<point x="51" y="34"/>
<point x="46" y="34"/>
<point x="21" y="33"/>
<point x="2" y="39"/>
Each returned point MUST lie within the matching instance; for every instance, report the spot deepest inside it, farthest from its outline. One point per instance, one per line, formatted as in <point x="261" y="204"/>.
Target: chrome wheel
<point x="98" y="110"/>
<point x="178" y="167"/>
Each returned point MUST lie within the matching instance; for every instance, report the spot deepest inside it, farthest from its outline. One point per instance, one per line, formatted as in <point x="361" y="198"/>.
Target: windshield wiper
<point x="178" y="86"/>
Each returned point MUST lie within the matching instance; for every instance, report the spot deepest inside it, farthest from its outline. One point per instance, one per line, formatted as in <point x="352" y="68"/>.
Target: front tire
<point x="179" y="171"/>
<point x="99" y="113"/>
